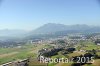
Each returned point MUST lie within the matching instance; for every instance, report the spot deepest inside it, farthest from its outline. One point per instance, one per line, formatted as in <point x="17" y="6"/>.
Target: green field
<point x="13" y="54"/>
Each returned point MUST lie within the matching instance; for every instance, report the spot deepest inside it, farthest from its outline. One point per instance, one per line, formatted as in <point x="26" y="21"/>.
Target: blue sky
<point x="30" y="14"/>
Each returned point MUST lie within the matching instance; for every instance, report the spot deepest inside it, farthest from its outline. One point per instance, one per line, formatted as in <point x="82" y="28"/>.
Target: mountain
<point x="49" y="28"/>
<point x="52" y="28"/>
<point x="55" y="30"/>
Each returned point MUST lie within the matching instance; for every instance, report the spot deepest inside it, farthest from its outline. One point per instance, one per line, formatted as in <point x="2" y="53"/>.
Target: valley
<point x="69" y="46"/>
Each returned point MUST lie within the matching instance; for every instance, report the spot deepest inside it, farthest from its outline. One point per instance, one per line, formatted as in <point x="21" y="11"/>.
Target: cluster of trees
<point x="52" y="52"/>
<point x="55" y="51"/>
<point x="97" y="41"/>
<point x="70" y="49"/>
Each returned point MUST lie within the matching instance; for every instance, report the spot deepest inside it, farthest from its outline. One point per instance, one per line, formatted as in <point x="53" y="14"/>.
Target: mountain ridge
<point x="50" y="29"/>
<point x="53" y="27"/>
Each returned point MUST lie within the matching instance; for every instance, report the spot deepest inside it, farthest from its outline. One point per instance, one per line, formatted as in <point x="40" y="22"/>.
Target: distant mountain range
<point x="50" y="29"/>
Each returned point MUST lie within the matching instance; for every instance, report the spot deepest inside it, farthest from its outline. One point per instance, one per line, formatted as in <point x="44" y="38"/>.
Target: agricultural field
<point x="16" y="53"/>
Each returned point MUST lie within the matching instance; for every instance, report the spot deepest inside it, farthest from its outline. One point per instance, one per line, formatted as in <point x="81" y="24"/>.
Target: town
<point x="69" y="46"/>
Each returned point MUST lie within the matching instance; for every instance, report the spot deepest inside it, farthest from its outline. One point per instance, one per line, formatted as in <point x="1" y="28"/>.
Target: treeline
<point x="51" y="52"/>
<point x="54" y="51"/>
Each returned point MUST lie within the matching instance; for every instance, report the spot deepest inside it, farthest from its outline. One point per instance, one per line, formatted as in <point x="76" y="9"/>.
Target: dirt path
<point x="9" y="54"/>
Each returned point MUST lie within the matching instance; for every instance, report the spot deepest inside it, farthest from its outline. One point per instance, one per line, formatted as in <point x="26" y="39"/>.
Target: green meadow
<point x="14" y="54"/>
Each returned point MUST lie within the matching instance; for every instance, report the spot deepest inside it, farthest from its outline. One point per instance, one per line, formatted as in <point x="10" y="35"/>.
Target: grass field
<point x="13" y="54"/>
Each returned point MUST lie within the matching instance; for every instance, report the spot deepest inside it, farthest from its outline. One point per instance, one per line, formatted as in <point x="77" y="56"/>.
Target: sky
<point x="30" y="14"/>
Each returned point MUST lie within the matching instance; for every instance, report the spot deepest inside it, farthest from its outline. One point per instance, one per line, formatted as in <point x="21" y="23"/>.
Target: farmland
<point x="14" y="54"/>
